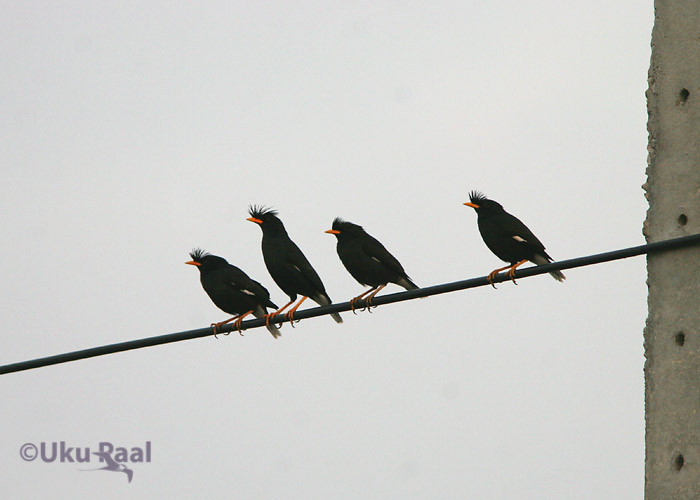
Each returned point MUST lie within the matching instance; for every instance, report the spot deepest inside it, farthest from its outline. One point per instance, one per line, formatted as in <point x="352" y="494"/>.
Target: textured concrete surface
<point x="672" y="333"/>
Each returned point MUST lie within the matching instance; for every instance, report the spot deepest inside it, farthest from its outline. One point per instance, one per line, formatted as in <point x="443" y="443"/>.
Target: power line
<point x="624" y="253"/>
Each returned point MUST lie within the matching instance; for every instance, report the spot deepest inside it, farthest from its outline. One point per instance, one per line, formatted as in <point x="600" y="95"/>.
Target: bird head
<point x="479" y="202"/>
<point x="342" y="228"/>
<point x="265" y="217"/>
<point x="205" y="262"/>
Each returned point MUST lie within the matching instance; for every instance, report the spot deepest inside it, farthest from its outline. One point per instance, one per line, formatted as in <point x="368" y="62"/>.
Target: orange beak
<point x="473" y="205"/>
<point x="193" y="263"/>
<point x="332" y="231"/>
<point x="253" y="219"/>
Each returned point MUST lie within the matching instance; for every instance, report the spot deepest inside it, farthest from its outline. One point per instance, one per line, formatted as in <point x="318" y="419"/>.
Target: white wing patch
<point x="297" y="268"/>
<point x="518" y="238"/>
<point x="376" y="259"/>
<point x="247" y="292"/>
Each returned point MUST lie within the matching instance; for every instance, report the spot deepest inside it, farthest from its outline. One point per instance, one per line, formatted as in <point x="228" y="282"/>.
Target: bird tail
<point x="273" y="330"/>
<point x="541" y="260"/>
<point x="324" y="300"/>
<point x="260" y="313"/>
<point x="406" y="282"/>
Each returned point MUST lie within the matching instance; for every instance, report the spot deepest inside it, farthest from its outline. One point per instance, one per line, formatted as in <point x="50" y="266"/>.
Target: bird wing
<point x="241" y="282"/>
<point x="520" y="232"/>
<point x="297" y="259"/>
<point x="375" y="250"/>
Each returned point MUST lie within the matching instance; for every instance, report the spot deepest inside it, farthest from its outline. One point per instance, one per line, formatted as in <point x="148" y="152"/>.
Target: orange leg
<point x="353" y="301"/>
<point x="368" y="300"/>
<point x="268" y="316"/>
<point x="493" y="274"/>
<point x="513" y="268"/>
<point x="217" y="325"/>
<point x="238" y="322"/>
<point x="290" y="314"/>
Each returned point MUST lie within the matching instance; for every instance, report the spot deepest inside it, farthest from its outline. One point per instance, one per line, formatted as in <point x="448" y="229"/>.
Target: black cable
<point x="624" y="253"/>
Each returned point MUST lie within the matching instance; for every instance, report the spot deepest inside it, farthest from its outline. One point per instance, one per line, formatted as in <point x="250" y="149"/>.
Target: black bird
<point x="287" y="264"/>
<point x="367" y="260"/>
<point x="507" y="237"/>
<point x="232" y="290"/>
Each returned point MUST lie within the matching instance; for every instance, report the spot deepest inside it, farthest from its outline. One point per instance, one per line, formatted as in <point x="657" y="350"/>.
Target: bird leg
<point x="514" y="267"/>
<point x="217" y="325"/>
<point x="269" y="316"/>
<point x="368" y="300"/>
<point x="493" y="274"/>
<point x="238" y="322"/>
<point x="353" y="301"/>
<point x="290" y="314"/>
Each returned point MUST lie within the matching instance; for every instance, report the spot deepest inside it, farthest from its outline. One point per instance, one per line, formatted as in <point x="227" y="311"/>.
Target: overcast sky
<point x="132" y="133"/>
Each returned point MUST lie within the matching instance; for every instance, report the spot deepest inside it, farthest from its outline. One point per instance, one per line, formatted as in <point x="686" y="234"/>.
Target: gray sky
<point x="132" y="134"/>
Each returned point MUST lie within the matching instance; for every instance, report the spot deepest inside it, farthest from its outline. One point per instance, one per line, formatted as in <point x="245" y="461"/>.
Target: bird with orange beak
<point x="287" y="264"/>
<point x="367" y="260"/>
<point x="231" y="290"/>
<point x="507" y="237"/>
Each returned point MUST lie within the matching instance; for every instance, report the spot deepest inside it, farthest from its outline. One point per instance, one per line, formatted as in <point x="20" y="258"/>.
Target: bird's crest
<point x="198" y="254"/>
<point x="260" y="211"/>
<point x="338" y="223"/>
<point x="343" y="225"/>
<point x="477" y="197"/>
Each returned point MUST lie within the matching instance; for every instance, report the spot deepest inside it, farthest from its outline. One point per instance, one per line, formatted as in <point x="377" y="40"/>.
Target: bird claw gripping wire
<point x="290" y="314"/>
<point x="368" y="305"/>
<point x="368" y="300"/>
<point x="216" y="327"/>
<point x="268" y="317"/>
<point x="290" y="318"/>
<point x="237" y="324"/>
<point x="511" y="275"/>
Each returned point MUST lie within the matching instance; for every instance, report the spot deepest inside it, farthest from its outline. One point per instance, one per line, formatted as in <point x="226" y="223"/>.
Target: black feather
<point x="231" y="289"/>
<point x="506" y="236"/>
<point x="285" y="261"/>
<point x="366" y="259"/>
<point x="477" y="197"/>
<point x="198" y="254"/>
<point x="261" y="211"/>
<point x="341" y="224"/>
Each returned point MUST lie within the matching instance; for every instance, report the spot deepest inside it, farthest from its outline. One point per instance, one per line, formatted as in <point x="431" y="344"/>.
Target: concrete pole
<point x="672" y="333"/>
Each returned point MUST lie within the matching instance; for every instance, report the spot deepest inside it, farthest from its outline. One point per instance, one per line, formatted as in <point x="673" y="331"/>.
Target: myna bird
<point x="287" y="265"/>
<point x="507" y="237"/>
<point x="231" y="290"/>
<point x="367" y="260"/>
